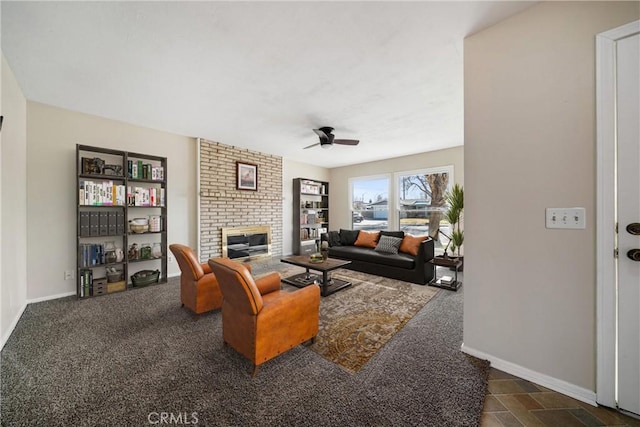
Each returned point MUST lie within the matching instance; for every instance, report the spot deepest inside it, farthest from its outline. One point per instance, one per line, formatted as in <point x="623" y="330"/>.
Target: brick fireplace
<point x="223" y="206"/>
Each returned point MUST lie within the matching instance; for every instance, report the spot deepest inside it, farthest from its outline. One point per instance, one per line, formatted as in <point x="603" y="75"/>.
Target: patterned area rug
<point x="358" y="321"/>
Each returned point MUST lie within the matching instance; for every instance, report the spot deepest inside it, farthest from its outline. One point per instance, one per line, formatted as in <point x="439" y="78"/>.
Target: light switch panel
<point x="573" y="218"/>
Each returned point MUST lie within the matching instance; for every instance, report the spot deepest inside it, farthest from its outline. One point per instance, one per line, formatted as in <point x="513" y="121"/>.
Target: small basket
<point x="145" y="277"/>
<point x="114" y="277"/>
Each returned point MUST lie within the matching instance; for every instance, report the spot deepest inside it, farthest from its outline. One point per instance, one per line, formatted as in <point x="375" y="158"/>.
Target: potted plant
<point x="455" y="200"/>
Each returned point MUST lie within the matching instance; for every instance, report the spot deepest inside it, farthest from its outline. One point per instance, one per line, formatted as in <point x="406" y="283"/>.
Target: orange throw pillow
<point x="367" y="239"/>
<point x="410" y="244"/>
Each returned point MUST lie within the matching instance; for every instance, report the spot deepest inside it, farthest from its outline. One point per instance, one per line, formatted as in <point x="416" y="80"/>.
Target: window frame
<point x="388" y="177"/>
<point x="424" y="171"/>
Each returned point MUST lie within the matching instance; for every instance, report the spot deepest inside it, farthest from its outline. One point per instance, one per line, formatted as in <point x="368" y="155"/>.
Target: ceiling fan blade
<point x="320" y="133"/>
<point x="346" y="141"/>
<point x="312" y="145"/>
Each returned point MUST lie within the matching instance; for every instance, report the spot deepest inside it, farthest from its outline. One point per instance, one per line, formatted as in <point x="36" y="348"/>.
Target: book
<point x="446" y="280"/>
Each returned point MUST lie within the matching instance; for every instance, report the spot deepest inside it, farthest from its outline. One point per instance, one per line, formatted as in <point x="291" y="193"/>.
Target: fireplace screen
<point x="246" y="242"/>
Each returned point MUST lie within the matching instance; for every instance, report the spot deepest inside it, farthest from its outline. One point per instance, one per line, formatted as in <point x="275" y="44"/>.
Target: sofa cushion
<point x="388" y="244"/>
<point x="399" y="234"/>
<point x="411" y="243"/>
<point x="333" y="237"/>
<point x="367" y="239"/>
<point x="348" y="237"/>
<point x="357" y="253"/>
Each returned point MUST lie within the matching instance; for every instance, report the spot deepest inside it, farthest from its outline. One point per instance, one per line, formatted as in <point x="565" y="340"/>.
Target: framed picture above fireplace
<point x="246" y="176"/>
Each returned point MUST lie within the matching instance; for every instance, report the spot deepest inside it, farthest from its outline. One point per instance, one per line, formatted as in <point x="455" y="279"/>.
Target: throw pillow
<point x="333" y="237"/>
<point x="348" y="237"/>
<point x="388" y="244"/>
<point x="399" y="234"/>
<point x="367" y="239"/>
<point x="410" y="244"/>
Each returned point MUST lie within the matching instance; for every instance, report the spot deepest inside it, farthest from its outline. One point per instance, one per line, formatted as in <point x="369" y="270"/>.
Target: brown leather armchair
<point x="199" y="289"/>
<point x="258" y="319"/>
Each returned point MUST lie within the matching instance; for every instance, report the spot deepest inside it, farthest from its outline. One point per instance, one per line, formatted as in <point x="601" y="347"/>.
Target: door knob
<point x="634" y="254"/>
<point x="634" y="228"/>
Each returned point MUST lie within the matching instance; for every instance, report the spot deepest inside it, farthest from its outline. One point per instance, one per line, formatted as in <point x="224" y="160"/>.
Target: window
<point x="421" y="200"/>
<point x="370" y="203"/>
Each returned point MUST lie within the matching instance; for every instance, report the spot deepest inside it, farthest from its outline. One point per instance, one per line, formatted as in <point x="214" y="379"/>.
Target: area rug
<point x="358" y="321"/>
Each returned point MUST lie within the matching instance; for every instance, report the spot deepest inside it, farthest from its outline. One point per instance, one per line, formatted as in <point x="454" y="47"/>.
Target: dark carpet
<point x="131" y="358"/>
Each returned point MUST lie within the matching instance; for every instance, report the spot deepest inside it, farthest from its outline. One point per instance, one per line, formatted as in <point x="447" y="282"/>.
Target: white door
<point x="628" y="197"/>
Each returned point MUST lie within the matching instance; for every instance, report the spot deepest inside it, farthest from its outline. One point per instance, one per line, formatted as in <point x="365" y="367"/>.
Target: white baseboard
<point x="50" y="297"/>
<point x="555" y="384"/>
<point x="13" y="325"/>
<point x="169" y="276"/>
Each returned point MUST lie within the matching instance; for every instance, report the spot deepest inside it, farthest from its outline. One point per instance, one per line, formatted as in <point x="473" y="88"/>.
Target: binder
<point x="104" y="223"/>
<point x="84" y="224"/>
<point x="94" y="224"/>
<point x="120" y="222"/>
<point x="113" y="227"/>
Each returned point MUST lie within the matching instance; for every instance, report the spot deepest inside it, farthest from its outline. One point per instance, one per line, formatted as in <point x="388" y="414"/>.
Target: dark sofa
<point x="401" y="266"/>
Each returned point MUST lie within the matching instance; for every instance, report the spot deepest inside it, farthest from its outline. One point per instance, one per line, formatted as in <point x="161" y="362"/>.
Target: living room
<point x="529" y="308"/>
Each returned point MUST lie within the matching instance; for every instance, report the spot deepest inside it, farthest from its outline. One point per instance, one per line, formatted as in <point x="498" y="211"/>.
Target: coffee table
<point x="327" y="285"/>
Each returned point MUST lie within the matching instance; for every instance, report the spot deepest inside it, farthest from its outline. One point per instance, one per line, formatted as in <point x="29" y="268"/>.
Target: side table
<point x="445" y="262"/>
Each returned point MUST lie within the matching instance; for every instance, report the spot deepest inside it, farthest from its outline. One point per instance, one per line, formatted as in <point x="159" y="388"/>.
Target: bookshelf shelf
<point x="310" y="214"/>
<point x="108" y="192"/>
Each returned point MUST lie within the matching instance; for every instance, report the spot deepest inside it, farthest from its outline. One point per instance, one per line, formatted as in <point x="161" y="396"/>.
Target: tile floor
<point x="512" y="401"/>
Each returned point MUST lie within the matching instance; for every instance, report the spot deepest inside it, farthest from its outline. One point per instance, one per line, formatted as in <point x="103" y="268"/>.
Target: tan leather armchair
<point x="258" y="319"/>
<point x="199" y="289"/>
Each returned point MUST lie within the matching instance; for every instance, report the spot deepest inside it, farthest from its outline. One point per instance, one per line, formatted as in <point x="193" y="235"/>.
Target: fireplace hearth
<point x="246" y="243"/>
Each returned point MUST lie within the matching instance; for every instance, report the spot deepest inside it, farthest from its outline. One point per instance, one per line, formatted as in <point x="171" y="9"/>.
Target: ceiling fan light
<point x="326" y="146"/>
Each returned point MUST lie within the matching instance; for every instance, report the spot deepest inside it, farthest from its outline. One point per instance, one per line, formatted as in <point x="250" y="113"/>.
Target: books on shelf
<point x="91" y="254"/>
<point x="310" y="187"/>
<point x="136" y="169"/>
<point x="145" y="196"/>
<point x="101" y="193"/>
<point x="447" y="280"/>
<point x="309" y="233"/>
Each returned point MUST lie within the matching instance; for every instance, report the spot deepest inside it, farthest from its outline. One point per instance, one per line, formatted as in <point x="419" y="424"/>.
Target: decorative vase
<point x="156" y="250"/>
<point x="119" y="255"/>
<point x="110" y="252"/>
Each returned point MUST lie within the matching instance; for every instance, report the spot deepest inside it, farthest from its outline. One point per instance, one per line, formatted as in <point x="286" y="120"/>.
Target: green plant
<point x="455" y="200"/>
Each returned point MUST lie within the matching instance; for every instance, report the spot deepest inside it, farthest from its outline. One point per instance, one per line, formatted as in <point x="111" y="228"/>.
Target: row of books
<point x="102" y="193"/>
<point x="311" y="187"/>
<point x="92" y="254"/>
<point x="308" y="218"/>
<point x="146" y="196"/>
<point x="106" y="193"/>
<point x="311" y="233"/>
<point x="138" y="170"/>
<point x="86" y="283"/>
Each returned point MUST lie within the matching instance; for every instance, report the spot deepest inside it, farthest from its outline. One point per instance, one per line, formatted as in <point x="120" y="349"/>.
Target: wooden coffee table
<point x="324" y="280"/>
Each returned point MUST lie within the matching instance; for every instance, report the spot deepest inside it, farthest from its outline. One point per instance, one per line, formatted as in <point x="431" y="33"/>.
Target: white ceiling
<point x="258" y="75"/>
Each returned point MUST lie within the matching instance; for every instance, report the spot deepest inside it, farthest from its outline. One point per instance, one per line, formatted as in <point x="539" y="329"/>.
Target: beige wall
<point x="339" y="212"/>
<point x="530" y="144"/>
<point x="52" y="135"/>
<point x="290" y="171"/>
<point x="13" y="204"/>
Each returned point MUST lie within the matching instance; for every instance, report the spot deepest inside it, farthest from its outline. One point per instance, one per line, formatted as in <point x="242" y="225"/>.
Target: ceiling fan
<point x="327" y="139"/>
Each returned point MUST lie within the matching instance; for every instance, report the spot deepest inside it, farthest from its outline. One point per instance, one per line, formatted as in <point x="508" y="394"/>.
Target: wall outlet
<point x="573" y="218"/>
<point x="170" y="258"/>
<point x="68" y="275"/>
